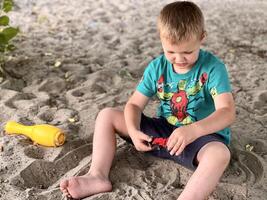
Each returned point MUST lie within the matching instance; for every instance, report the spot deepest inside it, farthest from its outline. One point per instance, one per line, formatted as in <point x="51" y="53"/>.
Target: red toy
<point x="161" y="142"/>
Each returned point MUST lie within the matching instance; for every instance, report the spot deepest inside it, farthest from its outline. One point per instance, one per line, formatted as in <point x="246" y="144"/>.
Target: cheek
<point x="169" y="57"/>
<point x="192" y="58"/>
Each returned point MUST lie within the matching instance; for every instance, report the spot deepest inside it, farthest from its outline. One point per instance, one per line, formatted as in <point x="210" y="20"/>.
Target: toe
<point x="64" y="188"/>
<point x="64" y="184"/>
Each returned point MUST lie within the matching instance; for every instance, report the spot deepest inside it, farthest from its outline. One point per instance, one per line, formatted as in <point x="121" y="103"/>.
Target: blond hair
<point x="180" y="21"/>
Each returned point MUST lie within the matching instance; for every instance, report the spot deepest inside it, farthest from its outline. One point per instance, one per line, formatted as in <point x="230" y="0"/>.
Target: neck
<point x="181" y="71"/>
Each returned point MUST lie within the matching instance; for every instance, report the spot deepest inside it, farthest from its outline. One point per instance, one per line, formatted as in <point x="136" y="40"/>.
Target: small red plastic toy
<point x="161" y="142"/>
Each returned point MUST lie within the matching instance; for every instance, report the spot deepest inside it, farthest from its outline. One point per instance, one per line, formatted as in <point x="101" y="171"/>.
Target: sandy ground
<point x="76" y="57"/>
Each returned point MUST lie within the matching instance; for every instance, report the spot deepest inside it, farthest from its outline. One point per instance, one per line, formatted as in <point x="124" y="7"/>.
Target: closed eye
<point x="188" y="52"/>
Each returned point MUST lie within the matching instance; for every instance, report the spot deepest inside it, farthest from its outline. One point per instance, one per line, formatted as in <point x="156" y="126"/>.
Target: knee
<point x="224" y="154"/>
<point x="112" y="118"/>
<point x="107" y="114"/>
<point x="217" y="152"/>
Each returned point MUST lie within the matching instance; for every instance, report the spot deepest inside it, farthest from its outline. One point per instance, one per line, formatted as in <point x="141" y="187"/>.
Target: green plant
<point x="7" y="32"/>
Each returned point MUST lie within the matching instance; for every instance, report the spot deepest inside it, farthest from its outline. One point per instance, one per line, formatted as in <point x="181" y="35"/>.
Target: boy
<point x="196" y="107"/>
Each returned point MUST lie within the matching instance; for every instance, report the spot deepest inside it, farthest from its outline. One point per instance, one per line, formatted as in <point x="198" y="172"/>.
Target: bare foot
<point x="84" y="186"/>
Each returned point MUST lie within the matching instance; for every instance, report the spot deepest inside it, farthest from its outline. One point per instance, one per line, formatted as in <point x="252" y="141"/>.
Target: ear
<point x="203" y="37"/>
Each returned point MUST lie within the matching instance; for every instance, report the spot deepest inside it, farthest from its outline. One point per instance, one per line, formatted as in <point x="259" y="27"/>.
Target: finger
<point x="146" y="137"/>
<point x="145" y="147"/>
<point x="171" y="143"/>
<point x="180" y="150"/>
<point x="176" y="147"/>
<point x="142" y="145"/>
<point x="148" y="148"/>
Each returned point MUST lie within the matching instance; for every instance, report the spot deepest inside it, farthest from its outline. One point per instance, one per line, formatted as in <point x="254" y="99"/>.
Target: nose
<point x="179" y="58"/>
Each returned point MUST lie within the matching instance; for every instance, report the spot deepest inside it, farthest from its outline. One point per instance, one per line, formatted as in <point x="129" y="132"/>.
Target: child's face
<point x="182" y="55"/>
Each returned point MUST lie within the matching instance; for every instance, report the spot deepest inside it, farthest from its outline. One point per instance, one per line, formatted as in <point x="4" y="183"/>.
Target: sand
<point x="74" y="58"/>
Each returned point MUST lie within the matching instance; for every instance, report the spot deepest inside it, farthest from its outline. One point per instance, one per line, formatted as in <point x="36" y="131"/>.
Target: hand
<point x="179" y="139"/>
<point x="141" y="141"/>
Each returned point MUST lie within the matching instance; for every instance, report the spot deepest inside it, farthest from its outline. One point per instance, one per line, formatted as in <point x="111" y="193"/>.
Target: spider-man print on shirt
<point x="179" y="101"/>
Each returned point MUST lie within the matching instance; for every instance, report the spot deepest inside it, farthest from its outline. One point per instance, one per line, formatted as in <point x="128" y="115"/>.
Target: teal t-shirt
<point x="186" y="98"/>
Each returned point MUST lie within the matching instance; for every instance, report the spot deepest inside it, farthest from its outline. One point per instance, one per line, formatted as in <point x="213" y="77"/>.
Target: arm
<point x="223" y="116"/>
<point x="132" y="114"/>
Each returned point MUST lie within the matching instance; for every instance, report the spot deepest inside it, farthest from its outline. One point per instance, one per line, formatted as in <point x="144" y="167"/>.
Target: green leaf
<point x="10" y="32"/>
<point x="7" y="5"/>
<point x="4" y="20"/>
<point x="3" y="40"/>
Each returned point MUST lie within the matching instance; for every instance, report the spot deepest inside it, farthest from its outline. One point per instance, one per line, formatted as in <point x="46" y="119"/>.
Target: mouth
<point x="180" y="64"/>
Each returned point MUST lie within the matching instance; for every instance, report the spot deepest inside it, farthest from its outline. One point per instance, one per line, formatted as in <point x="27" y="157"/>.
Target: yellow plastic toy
<point x="42" y="134"/>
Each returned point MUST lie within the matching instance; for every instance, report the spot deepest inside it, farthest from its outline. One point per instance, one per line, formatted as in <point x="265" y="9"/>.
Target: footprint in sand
<point x="18" y="100"/>
<point x="34" y="152"/>
<point x="55" y="116"/>
<point x="252" y="166"/>
<point x="249" y="165"/>
<point x="47" y="115"/>
<point x="246" y="168"/>
<point x="78" y="93"/>
<point x="259" y="147"/>
<point x="76" y="73"/>
<point x="53" y="85"/>
<point x="43" y="174"/>
<point x="158" y="176"/>
<point x="165" y="174"/>
<point x="97" y="85"/>
<point x="260" y="102"/>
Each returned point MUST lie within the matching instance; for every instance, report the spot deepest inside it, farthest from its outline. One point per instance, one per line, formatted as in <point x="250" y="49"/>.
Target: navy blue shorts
<point x="159" y="127"/>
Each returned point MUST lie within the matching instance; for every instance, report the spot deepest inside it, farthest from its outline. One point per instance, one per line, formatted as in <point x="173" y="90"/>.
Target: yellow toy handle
<point x="42" y="134"/>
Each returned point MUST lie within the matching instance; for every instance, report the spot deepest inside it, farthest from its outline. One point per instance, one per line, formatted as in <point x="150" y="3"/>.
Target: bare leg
<point x="108" y="122"/>
<point x="213" y="159"/>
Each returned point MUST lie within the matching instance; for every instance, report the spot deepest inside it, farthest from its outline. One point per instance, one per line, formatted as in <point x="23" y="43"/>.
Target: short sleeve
<point x="147" y="84"/>
<point x="218" y="80"/>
